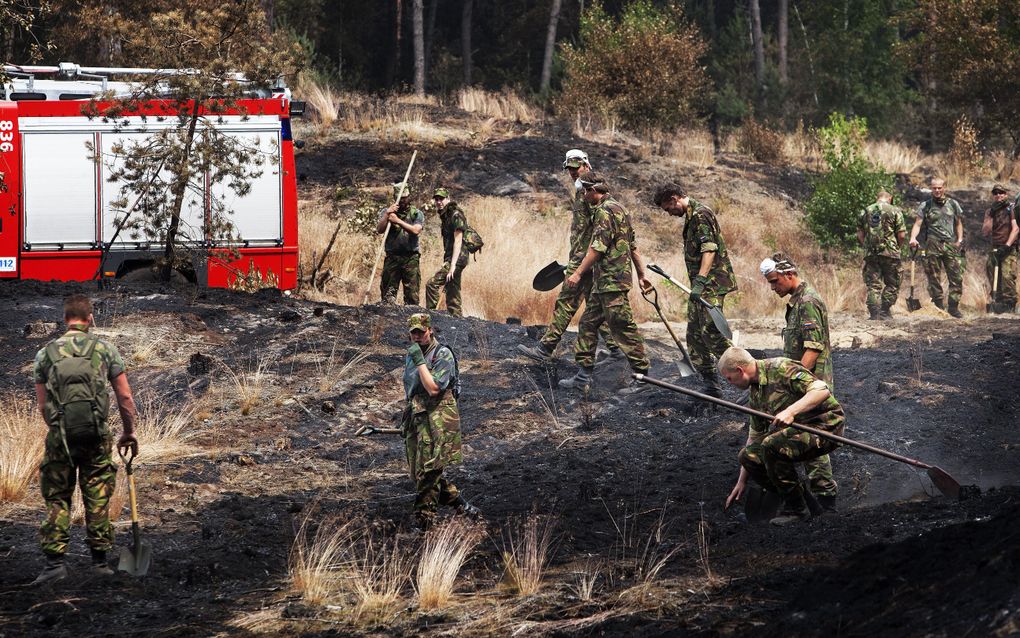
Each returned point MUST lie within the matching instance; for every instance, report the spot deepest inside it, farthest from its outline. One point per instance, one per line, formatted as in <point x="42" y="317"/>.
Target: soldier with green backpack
<point x="460" y="241"/>
<point x="882" y="231"/>
<point x="73" y="375"/>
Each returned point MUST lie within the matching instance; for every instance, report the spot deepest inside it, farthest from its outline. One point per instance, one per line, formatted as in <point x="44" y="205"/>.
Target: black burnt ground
<point x="896" y="560"/>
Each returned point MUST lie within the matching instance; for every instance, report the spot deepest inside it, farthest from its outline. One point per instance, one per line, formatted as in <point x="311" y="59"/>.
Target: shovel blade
<point x="913" y="304"/>
<point x="760" y="506"/>
<point x="944" y="482"/>
<point x="135" y="560"/>
<point x="685" y="368"/>
<point x="720" y="322"/>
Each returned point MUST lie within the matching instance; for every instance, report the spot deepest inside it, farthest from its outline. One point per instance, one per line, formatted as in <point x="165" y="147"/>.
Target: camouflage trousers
<point x="432" y="441"/>
<point x="704" y="341"/>
<point x="438" y="283"/>
<point x="567" y="305"/>
<point x="397" y="270"/>
<point x="772" y="463"/>
<point x="93" y="468"/>
<point x="613" y="310"/>
<point x="882" y="276"/>
<point x="939" y="257"/>
<point x="1007" y="278"/>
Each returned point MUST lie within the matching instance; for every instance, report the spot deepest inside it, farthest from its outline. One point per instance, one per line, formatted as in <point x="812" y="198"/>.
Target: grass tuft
<point x="527" y="548"/>
<point x="444" y="552"/>
<point x="22" y="439"/>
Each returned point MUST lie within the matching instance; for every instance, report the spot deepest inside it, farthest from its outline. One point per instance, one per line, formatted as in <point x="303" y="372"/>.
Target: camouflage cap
<point x="419" y="321"/>
<point x="999" y="188"/>
<point x="396" y="189"/>
<point x="595" y="182"/>
<point x="441" y="192"/>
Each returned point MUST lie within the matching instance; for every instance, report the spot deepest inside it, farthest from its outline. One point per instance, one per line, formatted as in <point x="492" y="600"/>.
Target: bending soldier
<point x="1001" y="226"/>
<point x="941" y="218"/>
<point x="806" y="341"/>
<point x="711" y="276"/>
<point x="882" y="232"/>
<point x="402" y="252"/>
<point x="73" y="375"/>
<point x="784" y="388"/>
<point x="570" y="298"/>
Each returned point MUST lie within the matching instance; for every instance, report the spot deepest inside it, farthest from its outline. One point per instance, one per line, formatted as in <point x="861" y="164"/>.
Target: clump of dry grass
<point x="163" y="429"/>
<point x="505" y="105"/>
<point x="895" y="157"/>
<point x="760" y="142"/>
<point x="324" y="102"/>
<point x="586" y="579"/>
<point x="642" y="550"/>
<point x="316" y="559"/>
<point x="444" y="552"/>
<point x="334" y="369"/>
<point x="22" y="439"/>
<point x="250" y="382"/>
<point x="527" y="548"/>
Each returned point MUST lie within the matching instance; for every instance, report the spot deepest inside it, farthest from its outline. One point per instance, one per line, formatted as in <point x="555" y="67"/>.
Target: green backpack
<point x="472" y="241"/>
<point x="78" y="400"/>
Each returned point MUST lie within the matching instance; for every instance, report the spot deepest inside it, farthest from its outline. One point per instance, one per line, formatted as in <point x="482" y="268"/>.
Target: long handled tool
<point x="684" y="363"/>
<point x="912" y="302"/>
<point x="996" y="305"/>
<point x="366" y="430"/>
<point x="382" y="242"/>
<point x="135" y="561"/>
<point x="717" y="316"/>
<point x="942" y="480"/>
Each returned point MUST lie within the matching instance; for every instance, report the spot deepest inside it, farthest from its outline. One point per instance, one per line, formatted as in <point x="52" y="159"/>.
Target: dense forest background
<point x="911" y="68"/>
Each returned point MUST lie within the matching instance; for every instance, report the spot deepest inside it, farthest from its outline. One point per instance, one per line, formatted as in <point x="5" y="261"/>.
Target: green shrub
<point x="642" y="71"/>
<point x="848" y="187"/>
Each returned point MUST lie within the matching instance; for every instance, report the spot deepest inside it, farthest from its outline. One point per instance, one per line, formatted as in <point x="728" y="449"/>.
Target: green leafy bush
<point x="849" y="186"/>
<point x="642" y="71"/>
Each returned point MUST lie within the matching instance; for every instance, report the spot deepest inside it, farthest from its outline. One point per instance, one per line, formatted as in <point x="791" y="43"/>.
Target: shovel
<point x="942" y="480"/>
<point x="912" y="303"/>
<point x="996" y="306"/>
<point x="135" y="561"/>
<point x="367" y="430"/>
<point x="684" y="363"/>
<point x="717" y="316"/>
<point x="549" y="277"/>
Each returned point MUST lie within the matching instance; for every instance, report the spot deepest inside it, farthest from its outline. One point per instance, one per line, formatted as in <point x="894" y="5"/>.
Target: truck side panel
<point x="10" y="186"/>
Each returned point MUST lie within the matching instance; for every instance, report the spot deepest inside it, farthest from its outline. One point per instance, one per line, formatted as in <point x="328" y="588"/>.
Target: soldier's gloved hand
<point x="417" y="356"/>
<point x="698" y="287"/>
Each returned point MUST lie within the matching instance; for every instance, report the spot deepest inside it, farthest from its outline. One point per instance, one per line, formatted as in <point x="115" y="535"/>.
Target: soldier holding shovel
<point x="1000" y="226"/>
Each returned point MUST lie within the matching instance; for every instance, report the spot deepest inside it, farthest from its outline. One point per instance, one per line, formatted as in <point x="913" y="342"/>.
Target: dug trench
<point x="621" y="478"/>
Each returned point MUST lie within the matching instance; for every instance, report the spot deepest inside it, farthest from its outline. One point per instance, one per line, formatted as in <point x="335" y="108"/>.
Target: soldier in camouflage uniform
<point x="941" y="219"/>
<point x="711" y="276"/>
<point x="82" y="453"/>
<point x="453" y="224"/>
<point x="806" y="341"/>
<point x="402" y="253"/>
<point x="882" y="232"/>
<point x="613" y="249"/>
<point x="1001" y="227"/>
<point x="784" y="388"/>
<point x="570" y="298"/>
<point x="431" y="420"/>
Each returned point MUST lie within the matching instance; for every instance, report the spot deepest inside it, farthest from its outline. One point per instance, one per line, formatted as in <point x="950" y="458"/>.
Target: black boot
<point x="885" y="312"/>
<point x="954" y="310"/>
<point x="939" y="304"/>
<point x="55" y="570"/>
<point x="712" y="384"/>
<point x="827" y="502"/>
<point x="872" y="312"/>
<point x="794" y="510"/>
<point x="99" y="565"/>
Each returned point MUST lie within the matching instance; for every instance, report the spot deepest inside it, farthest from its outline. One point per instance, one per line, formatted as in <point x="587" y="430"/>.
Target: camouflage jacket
<point x="807" y="327"/>
<point x="781" y="383"/>
<point x="1002" y="222"/>
<point x="443" y="366"/>
<point x="399" y="242"/>
<point x="939" y="220"/>
<point x="880" y="223"/>
<point x="703" y="235"/>
<point x="580" y="231"/>
<point x="613" y="238"/>
<point x="105" y="359"/>
<point x="452" y="219"/>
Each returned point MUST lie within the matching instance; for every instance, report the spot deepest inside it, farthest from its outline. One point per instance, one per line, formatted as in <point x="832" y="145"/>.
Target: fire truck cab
<point x="57" y="212"/>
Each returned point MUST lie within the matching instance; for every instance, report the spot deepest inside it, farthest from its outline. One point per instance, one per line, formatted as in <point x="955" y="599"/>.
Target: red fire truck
<point x="57" y="213"/>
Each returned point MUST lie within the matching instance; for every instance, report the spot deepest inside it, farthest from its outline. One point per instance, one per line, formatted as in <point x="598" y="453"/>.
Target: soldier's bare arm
<point x="458" y="239"/>
<point x="639" y="268"/>
<point x="811" y="399"/>
<point x="914" y="232"/>
<point x="959" y="231"/>
<point x="126" y="406"/>
<point x="589" y="260"/>
<point x="1014" y="233"/>
<point x="809" y="358"/>
<point x="40" y="398"/>
<point x="707" y="259"/>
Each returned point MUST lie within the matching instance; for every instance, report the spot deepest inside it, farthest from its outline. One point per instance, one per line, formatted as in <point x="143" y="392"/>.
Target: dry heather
<point x="22" y="438"/>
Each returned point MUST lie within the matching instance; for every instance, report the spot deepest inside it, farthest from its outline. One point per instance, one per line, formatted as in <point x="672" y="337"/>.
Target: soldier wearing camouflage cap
<point x="73" y="375"/>
<point x="612" y="252"/>
<point x="806" y="341"/>
<point x="882" y="233"/>
<point x="1002" y="226"/>
<point x="431" y="420"/>
<point x="570" y="298"/>
<point x="711" y="276"/>
<point x="401" y="266"/>
<point x="453" y="225"/>
<point x="783" y="388"/>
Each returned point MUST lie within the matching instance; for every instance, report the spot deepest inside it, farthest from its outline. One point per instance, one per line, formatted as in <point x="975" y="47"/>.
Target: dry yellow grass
<point x="527" y="548"/>
<point x="164" y="429"/>
<point x="505" y="105"/>
<point x="443" y="553"/>
<point x="323" y="102"/>
<point x="22" y="439"/>
<point x="249" y="381"/>
<point x="334" y="368"/>
<point x="316" y="560"/>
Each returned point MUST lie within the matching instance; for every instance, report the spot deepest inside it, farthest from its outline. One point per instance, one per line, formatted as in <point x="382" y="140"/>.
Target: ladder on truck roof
<point x="75" y="82"/>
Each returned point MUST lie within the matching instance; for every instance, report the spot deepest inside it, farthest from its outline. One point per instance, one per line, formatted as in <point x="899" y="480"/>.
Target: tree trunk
<point x="782" y="32"/>
<point x="268" y="6"/>
<point x="180" y="188"/>
<point x="465" y="39"/>
<point x="550" y="46"/>
<point x="430" y="32"/>
<point x="393" y="66"/>
<point x="419" y="47"/>
<point x="810" y="58"/>
<point x="758" y="43"/>
<point x="713" y="28"/>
